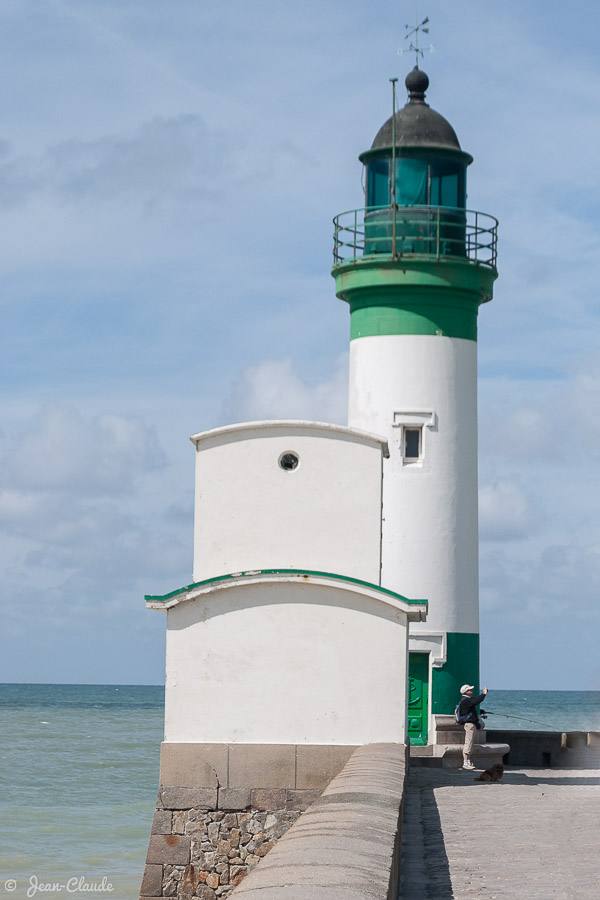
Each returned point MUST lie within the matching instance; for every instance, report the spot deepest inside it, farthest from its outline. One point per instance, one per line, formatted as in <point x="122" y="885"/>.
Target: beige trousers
<point x="469" y="738"/>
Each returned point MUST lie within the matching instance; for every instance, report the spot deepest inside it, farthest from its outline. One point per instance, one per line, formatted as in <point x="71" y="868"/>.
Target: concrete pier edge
<point x="346" y="846"/>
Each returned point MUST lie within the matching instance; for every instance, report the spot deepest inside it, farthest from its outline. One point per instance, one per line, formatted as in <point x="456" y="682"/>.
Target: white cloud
<point x="583" y="416"/>
<point x="527" y="422"/>
<point x="556" y="582"/>
<point x="73" y="518"/>
<point x="61" y="450"/>
<point x="523" y="434"/>
<point x="507" y="512"/>
<point x="85" y="524"/>
<point x="167" y="162"/>
<point x="273" y="390"/>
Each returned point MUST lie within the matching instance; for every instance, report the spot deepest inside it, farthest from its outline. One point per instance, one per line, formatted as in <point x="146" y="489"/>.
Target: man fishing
<point x="466" y="713"/>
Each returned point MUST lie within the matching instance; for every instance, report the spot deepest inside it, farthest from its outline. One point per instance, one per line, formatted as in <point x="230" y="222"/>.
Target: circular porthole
<point x="289" y="461"/>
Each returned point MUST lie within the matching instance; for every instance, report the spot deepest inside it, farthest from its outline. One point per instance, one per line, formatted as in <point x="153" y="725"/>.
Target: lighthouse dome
<point x="417" y="125"/>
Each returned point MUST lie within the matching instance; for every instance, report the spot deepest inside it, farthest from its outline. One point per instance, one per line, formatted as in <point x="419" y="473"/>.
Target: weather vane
<point x="412" y="35"/>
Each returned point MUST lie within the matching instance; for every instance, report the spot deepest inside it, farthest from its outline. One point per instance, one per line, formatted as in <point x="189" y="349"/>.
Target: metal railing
<point x="438" y="232"/>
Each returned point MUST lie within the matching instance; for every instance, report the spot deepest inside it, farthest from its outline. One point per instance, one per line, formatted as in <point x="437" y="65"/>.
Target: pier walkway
<point x="536" y="834"/>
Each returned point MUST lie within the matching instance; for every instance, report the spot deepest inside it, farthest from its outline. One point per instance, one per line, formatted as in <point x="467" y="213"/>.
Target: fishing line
<point x="489" y="712"/>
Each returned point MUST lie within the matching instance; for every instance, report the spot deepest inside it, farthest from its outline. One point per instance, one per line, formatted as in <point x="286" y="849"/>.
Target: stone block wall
<point x="204" y="852"/>
<point x="207" y="834"/>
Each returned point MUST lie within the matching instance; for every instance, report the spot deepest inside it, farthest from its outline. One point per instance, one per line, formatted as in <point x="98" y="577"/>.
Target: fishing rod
<point x="489" y="712"/>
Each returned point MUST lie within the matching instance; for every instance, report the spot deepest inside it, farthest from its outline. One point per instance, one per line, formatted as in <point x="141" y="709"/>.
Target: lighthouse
<point x="414" y="265"/>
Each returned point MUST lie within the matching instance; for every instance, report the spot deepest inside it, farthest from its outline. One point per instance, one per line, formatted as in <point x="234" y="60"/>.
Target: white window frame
<point x="418" y="420"/>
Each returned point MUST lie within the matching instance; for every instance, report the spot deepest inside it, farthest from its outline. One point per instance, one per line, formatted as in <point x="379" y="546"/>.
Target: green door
<point x="418" y="692"/>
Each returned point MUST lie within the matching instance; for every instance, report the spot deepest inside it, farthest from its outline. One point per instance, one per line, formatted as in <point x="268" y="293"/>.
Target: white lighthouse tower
<point x="414" y="266"/>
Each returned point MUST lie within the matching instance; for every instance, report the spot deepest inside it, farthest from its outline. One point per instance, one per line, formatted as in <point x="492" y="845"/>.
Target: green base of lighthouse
<point x="462" y="666"/>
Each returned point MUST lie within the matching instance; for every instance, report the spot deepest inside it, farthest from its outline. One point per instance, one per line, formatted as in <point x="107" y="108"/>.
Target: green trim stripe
<point x="207" y="581"/>
<point x="413" y="318"/>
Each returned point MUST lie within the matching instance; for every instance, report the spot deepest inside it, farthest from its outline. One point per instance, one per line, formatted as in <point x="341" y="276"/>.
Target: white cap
<point x="467" y="687"/>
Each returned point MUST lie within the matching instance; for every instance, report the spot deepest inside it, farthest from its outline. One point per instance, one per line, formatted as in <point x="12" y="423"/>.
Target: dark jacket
<point x="466" y="708"/>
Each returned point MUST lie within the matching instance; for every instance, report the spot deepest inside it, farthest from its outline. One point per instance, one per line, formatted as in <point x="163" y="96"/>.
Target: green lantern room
<point x="422" y="148"/>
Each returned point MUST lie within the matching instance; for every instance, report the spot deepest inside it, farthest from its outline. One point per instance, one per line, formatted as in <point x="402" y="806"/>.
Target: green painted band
<point x="299" y="572"/>
<point x="461" y="667"/>
<point x="413" y="296"/>
<point x="418" y="318"/>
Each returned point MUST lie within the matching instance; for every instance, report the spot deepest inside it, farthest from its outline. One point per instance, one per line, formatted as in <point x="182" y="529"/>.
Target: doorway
<point x="418" y="697"/>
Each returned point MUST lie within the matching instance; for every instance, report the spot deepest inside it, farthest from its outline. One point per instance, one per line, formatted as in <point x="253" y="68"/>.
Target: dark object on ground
<point x="494" y="773"/>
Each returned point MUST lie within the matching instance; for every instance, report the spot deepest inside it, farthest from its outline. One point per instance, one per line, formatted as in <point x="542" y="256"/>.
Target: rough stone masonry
<point x="203" y="842"/>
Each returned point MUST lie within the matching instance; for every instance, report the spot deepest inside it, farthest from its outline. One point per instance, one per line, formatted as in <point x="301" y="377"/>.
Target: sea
<point x="79" y="771"/>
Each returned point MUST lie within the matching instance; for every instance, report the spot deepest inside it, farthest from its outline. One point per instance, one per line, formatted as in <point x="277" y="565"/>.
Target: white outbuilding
<point x="286" y="637"/>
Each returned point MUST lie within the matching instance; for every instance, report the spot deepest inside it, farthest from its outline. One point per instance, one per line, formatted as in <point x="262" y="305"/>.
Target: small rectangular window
<point x="412" y="444"/>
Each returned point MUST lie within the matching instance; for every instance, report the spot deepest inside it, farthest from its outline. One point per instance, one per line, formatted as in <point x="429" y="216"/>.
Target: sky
<point x="168" y="176"/>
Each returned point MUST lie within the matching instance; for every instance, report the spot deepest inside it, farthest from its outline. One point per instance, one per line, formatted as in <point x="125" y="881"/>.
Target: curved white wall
<point x="430" y="531"/>
<point x="286" y="663"/>
<point x="325" y="515"/>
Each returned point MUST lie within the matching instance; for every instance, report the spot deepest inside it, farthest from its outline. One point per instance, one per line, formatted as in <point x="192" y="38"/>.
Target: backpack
<point x="461" y="719"/>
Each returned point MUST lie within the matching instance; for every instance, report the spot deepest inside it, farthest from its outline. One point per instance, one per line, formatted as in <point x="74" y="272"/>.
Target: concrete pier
<point x="535" y="834"/>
